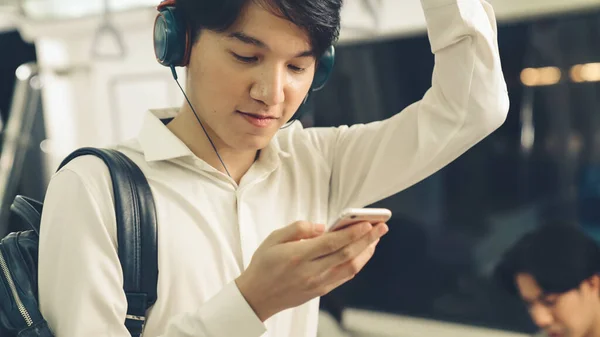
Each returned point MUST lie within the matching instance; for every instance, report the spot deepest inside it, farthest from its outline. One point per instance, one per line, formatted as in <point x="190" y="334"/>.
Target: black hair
<point x="559" y="256"/>
<point x="319" y="18"/>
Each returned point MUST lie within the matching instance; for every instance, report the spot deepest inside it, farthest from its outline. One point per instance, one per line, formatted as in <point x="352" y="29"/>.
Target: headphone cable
<point x="195" y="114"/>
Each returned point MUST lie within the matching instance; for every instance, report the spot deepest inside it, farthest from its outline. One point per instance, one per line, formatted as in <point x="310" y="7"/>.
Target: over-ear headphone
<point x="172" y="43"/>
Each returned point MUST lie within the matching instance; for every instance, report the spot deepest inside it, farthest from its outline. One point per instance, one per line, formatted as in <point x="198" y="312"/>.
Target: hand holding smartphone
<point x="352" y="216"/>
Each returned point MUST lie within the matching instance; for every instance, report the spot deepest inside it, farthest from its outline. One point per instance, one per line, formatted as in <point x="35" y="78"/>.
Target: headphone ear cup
<point x="324" y="69"/>
<point x="171" y="38"/>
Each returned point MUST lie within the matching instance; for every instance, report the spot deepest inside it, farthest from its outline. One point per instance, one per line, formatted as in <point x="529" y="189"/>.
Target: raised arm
<point x="467" y="101"/>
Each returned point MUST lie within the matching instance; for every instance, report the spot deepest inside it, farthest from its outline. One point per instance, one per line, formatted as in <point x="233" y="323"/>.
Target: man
<point x="242" y="200"/>
<point x="555" y="271"/>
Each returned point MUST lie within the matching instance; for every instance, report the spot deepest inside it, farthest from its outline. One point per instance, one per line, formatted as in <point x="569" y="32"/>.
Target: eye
<point x="296" y="69"/>
<point x="549" y="301"/>
<point x="245" y="59"/>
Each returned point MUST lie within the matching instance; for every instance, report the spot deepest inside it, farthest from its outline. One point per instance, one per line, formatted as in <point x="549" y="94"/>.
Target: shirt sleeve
<point x="467" y="101"/>
<point x="80" y="277"/>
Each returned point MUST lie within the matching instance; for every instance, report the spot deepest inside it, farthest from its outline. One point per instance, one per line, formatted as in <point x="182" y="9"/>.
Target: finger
<point x="353" y="250"/>
<point x="350" y="268"/>
<point x="333" y="241"/>
<point x="299" y="230"/>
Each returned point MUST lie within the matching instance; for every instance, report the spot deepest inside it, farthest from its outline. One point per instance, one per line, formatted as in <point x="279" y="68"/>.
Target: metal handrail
<point x="17" y="136"/>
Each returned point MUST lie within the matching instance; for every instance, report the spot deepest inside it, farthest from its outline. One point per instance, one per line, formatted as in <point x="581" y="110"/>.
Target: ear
<point x="593" y="283"/>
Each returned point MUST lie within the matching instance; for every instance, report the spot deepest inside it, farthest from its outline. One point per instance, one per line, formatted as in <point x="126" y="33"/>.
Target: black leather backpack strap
<point x="136" y="232"/>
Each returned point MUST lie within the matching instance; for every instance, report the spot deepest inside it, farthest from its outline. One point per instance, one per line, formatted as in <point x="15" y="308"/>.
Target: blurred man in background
<point x="554" y="269"/>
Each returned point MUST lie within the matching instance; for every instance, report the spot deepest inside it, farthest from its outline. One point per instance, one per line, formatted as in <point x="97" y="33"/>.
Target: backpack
<point x="136" y="233"/>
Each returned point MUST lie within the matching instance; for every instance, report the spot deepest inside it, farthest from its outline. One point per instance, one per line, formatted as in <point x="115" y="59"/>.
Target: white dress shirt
<point x="209" y="227"/>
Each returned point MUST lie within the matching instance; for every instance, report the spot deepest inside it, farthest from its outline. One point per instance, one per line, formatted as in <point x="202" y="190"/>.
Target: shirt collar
<point x="159" y="143"/>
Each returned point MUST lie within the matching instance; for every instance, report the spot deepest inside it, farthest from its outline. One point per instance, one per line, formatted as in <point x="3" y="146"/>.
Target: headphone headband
<point x="165" y="3"/>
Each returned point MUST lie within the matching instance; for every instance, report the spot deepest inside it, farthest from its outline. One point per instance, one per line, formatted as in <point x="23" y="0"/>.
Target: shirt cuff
<point x="229" y="314"/>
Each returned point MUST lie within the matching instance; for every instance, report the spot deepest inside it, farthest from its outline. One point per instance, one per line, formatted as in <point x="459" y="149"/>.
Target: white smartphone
<point x="350" y="216"/>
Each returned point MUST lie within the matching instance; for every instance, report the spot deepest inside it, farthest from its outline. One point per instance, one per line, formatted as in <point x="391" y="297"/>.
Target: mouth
<point x="258" y="120"/>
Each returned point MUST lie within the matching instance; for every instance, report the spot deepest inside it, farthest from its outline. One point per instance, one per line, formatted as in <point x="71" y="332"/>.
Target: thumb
<point x="299" y="230"/>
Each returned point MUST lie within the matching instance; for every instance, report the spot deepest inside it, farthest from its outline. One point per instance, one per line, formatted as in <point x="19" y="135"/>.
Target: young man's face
<point x="263" y="66"/>
<point x="571" y="314"/>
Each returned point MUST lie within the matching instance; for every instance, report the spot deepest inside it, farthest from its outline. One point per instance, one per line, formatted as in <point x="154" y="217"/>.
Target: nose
<point x="269" y="85"/>
<point x="541" y="316"/>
